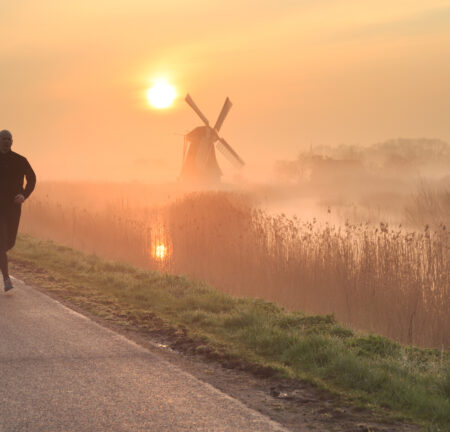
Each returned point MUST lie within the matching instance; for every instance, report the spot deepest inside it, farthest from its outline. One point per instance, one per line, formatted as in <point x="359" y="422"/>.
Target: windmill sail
<point x="229" y="153"/>
<point x="226" y="108"/>
<point x="192" y="104"/>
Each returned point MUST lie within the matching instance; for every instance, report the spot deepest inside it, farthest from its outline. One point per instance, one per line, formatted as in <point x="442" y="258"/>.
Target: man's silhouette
<point x="13" y="169"/>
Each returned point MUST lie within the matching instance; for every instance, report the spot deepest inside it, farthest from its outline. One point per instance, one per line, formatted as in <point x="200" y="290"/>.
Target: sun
<point x="161" y="94"/>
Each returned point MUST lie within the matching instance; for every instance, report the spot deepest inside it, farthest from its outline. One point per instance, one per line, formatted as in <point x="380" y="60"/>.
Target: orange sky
<point x="73" y="77"/>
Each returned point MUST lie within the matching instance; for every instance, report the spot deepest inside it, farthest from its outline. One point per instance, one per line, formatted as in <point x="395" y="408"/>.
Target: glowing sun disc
<point x="161" y="95"/>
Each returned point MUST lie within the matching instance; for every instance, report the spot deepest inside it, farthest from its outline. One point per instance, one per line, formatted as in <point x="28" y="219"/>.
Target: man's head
<point x="5" y="141"/>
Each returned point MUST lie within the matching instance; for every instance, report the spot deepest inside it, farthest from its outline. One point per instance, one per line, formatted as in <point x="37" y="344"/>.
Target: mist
<point x="380" y="182"/>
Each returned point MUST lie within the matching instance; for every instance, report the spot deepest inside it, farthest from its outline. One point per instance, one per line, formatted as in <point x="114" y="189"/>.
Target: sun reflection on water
<point x="160" y="251"/>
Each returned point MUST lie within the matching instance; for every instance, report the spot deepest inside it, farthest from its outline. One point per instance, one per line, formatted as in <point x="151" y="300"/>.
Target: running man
<point x="13" y="169"/>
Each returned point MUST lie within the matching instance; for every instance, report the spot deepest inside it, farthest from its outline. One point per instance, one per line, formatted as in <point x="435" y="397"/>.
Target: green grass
<point x="412" y="383"/>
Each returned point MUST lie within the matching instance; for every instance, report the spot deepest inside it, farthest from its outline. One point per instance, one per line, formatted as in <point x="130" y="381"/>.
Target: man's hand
<point x="19" y="199"/>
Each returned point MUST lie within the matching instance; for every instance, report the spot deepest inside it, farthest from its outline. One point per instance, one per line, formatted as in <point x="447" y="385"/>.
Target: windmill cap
<point x="198" y="133"/>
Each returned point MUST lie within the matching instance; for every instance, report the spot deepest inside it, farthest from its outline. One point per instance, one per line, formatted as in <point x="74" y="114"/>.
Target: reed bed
<point x="375" y="278"/>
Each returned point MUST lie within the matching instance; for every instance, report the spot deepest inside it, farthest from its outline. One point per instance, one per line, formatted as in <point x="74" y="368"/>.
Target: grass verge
<point x="413" y="383"/>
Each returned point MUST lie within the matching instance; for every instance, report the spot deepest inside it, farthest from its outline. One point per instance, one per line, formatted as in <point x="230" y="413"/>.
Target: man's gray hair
<point x="5" y="132"/>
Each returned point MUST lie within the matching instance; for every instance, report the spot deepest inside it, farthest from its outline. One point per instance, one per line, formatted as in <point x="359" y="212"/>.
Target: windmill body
<point x="199" y="162"/>
<point x="199" y="156"/>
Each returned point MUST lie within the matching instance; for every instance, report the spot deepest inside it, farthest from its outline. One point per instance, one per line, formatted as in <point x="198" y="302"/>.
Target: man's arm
<point x="31" y="180"/>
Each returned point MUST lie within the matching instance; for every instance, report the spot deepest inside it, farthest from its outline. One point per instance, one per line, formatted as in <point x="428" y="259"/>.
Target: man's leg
<point x="4" y="264"/>
<point x="12" y="225"/>
<point x="7" y="283"/>
<point x="3" y="257"/>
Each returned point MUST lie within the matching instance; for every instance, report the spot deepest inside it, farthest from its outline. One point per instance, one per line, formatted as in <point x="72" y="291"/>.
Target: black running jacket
<point x="13" y="169"/>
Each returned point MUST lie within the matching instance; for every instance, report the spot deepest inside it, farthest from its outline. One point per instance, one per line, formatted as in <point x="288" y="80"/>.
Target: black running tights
<point x="4" y="264"/>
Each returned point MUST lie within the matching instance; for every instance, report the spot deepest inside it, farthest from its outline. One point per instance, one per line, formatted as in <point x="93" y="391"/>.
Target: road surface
<point x="60" y="371"/>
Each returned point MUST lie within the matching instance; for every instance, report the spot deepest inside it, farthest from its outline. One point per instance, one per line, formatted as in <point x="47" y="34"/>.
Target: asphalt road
<point x="60" y="371"/>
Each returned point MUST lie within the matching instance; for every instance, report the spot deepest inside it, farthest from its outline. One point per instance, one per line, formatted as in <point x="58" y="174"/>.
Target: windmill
<point x="199" y="157"/>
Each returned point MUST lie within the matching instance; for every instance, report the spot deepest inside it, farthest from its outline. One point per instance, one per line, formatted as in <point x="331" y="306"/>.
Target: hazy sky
<point x="73" y="77"/>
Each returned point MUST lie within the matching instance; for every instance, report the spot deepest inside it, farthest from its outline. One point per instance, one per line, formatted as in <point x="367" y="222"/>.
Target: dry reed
<point x="378" y="279"/>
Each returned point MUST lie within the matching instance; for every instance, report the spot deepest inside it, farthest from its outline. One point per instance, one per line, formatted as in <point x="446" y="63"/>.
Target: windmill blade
<point x="225" y="109"/>
<point x="229" y="153"/>
<point x="191" y="103"/>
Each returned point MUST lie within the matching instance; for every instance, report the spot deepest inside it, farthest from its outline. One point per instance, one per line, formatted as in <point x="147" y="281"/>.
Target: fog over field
<point x="359" y="232"/>
<point x="382" y="182"/>
<point x="404" y="181"/>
